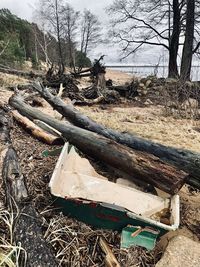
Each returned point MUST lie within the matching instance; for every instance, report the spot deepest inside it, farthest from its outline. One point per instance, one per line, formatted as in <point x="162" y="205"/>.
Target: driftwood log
<point x="186" y="160"/>
<point x="138" y="164"/>
<point x="37" y="131"/>
<point x="88" y="102"/>
<point x="26" y="74"/>
<point x="27" y="223"/>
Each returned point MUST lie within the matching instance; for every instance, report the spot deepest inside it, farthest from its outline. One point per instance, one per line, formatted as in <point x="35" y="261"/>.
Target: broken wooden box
<point x="89" y="197"/>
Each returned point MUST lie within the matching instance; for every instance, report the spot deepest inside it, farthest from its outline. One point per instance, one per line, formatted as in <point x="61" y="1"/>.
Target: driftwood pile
<point x="182" y="159"/>
<point x="101" y="91"/>
<point x="109" y="93"/>
<point x="147" y="160"/>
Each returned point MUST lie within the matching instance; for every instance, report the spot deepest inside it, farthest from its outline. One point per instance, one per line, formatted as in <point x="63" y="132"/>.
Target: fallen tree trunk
<point x="89" y="102"/>
<point x="27" y="231"/>
<point x="139" y="164"/>
<point x="26" y="74"/>
<point x="20" y="87"/>
<point x="36" y="131"/>
<point x="183" y="159"/>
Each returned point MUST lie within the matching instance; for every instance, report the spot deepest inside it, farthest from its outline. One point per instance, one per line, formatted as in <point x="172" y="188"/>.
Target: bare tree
<point x="174" y="35"/>
<point x="90" y="31"/>
<point x="5" y="45"/>
<point x="52" y="11"/>
<point x="42" y="42"/>
<point x="148" y="22"/>
<point x="187" y="54"/>
<point x="70" y="24"/>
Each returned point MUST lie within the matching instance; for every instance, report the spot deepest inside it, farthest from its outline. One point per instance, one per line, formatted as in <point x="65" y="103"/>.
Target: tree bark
<point x="174" y="41"/>
<point x="27" y="222"/>
<point x="183" y="159"/>
<point x="186" y="62"/>
<point x="61" y="61"/>
<point x="141" y="165"/>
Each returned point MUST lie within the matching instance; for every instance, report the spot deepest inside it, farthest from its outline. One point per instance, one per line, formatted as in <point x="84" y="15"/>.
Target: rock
<point x="148" y="83"/>
<point x="144" y="92"/>
<point x="171" y="80"/>
<point x="141" y="85"/>
<point x="148" y="102"/>
<point x="189" y="84"/>
<point x="143" y="80"/>
<point x="157" y="93"/>
<point x="190" y="103"/>
<point x="181" y="252"/>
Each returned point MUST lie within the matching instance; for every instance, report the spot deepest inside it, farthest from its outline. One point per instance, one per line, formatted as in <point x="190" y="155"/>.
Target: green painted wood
<point x="102" y="215"/>
<point x="146" y="238"/>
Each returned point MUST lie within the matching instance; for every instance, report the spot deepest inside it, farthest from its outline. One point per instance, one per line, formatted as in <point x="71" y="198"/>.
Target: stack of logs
<point x="164" y="167"/>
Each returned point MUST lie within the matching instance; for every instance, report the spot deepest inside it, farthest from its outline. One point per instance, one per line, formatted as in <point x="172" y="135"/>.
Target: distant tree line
<point x="61" y="36"/>
<point x="15" y="42"/>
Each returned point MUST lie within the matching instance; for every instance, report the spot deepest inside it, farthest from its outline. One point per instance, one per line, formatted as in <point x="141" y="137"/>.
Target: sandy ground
<point x="8" y="80"/>
<point x="118" y="77"/>
<point x="148" y="122"/>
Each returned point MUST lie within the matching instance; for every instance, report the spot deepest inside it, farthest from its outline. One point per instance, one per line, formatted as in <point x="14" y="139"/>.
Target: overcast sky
<point x="24" y="9"/>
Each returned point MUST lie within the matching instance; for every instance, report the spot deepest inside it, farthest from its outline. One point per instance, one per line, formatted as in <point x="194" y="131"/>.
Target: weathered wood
<point x="36" y="131"/>
<point x="101" y="81"/>
<point x="26" y="74"/>
<point x="186" y="160"/>
<point x="139" y="164"/>
<point x="15" y="188"/>
<point x="20" y="87"/>
<point x="27" y="231"/>
<point x="56" y="77"/>
<point x="100" y="94"/>
<point x="4" y="129"/>
<point x="89" y="102"/>
<point x="128" y="91"/>
<point x="47" y="128"/>
<point x="110" y="259"/>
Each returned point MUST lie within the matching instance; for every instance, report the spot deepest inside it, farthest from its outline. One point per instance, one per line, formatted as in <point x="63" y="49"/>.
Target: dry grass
<point x="77" y="245"/>
<point x="149" y="123"/>
<point x="9" y="252"/>
<point x="9" y="80"/>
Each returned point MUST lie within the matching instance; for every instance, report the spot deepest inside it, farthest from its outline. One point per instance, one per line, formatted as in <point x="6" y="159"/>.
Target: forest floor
<point x="148" y="122"/>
